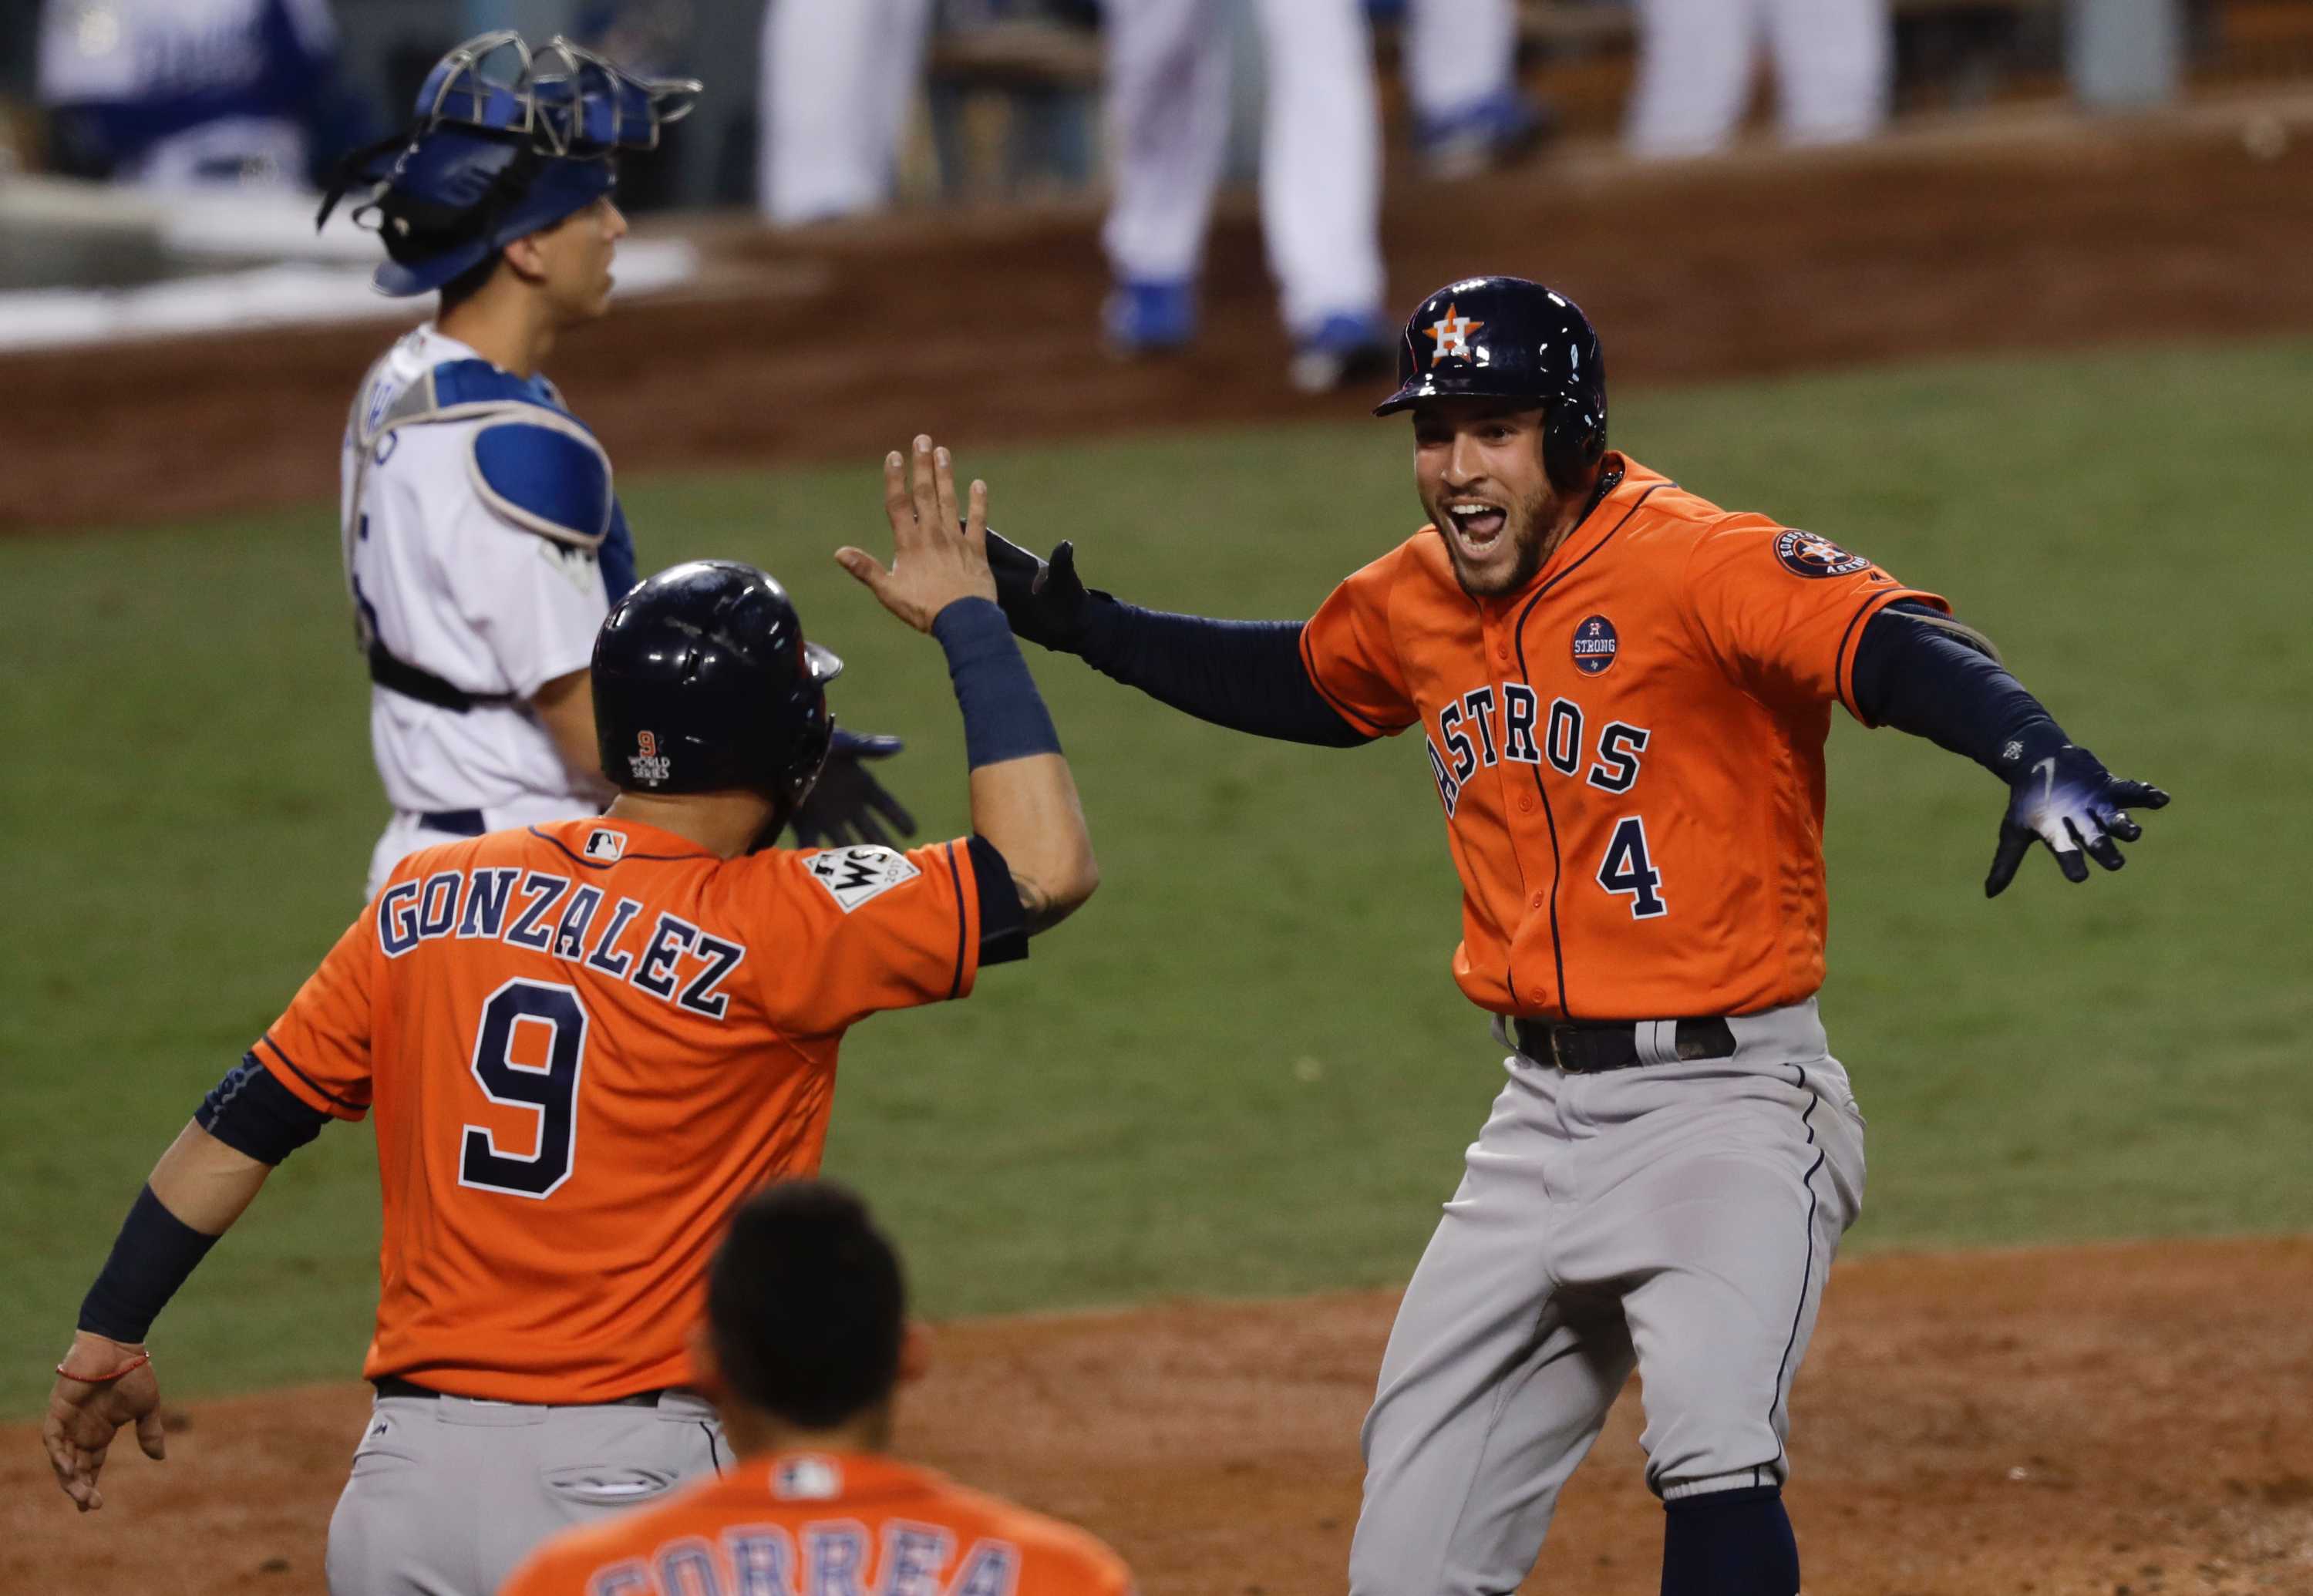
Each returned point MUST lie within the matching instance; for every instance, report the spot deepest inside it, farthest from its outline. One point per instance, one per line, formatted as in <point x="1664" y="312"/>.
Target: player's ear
<point x="706" y="1368"/>
<point x="526" y="258"/>
<point x="915" y="1351"/>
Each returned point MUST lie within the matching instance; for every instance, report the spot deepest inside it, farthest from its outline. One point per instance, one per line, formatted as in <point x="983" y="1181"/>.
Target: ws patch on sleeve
<point x="852" y="876"/>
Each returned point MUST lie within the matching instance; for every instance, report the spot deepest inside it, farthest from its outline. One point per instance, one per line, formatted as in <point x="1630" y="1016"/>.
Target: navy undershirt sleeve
<point x="1003" y="922"/>
<point x="1917" y="677"/>
<point x="253" y="1114"/>
<point x="1245" y="674"/>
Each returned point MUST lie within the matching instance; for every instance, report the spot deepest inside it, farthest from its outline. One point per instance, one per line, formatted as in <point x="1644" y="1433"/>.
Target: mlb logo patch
<point x="852" y="876"/>
<point x="807" y="1478"/>
<point x="605" y="846"/>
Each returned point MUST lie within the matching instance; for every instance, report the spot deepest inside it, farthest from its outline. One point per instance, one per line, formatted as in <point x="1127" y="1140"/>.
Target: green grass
<point x="1243" y="1068"/>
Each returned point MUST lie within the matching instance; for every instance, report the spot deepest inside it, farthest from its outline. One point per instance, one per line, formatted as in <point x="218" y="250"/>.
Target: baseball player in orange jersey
<point x="805" y="1340"/>
<point x="581" y="1044"/>
<point x="1623" y="691"/>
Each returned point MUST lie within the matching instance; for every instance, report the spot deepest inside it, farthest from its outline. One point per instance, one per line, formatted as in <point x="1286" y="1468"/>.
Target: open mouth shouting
<point x="1476" y="525"/>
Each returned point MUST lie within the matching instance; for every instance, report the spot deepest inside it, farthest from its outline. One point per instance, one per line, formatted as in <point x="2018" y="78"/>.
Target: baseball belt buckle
<point x="1566" y="1066"/>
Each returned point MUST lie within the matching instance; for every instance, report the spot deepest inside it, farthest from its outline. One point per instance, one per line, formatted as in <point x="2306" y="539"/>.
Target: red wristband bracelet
<point x="138" y="1361"/>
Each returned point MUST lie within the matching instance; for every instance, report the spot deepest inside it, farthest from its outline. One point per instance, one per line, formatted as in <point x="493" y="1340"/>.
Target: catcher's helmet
<point x="1506" y="338"/>
<point x="507" y="142"/>
<point x="703" y="682"/>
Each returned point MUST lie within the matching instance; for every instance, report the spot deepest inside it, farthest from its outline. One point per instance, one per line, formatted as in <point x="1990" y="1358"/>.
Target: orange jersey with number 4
<point x="826" y="1524"/>
<point x="581" y="1045"/>
<point x="1629" y="748"/>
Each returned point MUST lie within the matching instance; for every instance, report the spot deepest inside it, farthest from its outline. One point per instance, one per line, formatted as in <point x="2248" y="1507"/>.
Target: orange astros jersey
<point x="582" y="1044"/>
<point x="824" y="1523"/>
<point x="1629" y="748"/>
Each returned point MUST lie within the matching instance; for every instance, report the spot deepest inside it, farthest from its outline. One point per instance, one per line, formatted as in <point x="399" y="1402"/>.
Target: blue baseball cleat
<point x="1341" y="349"/>
<point x="1150" y="317"/>
<point x="1500" y="128"/>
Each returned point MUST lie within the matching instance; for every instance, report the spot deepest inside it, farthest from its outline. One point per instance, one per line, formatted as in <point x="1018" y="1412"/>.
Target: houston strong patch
<point x="852" y="876"/>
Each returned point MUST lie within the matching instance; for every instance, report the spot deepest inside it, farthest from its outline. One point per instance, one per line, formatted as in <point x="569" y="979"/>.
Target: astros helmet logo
<point x="1451" y="333"/>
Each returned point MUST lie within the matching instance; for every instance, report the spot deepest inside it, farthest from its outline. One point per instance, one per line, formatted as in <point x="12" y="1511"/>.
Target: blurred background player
<point x="837" y="84"/>
<point x="585" y="1042"/>
<point x="1461" y="74"/>
<point x="176" y="94"/>
<point x="1832" y="63"/>
<point x="483" y="542"/>
<point x="1168" y="94"/>
<point x="806" y="1344"/>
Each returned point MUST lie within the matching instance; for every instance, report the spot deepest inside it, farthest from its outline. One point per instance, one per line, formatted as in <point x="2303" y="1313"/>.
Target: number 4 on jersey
<point x="1626" y="869"/>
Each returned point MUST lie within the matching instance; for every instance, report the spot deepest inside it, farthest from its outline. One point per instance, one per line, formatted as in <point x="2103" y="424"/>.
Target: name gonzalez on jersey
<point x="679" y="963"/>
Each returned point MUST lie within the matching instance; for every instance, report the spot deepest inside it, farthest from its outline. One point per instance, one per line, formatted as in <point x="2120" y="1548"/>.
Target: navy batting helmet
<point x="1507" y="338"/>
<point x="507" y="142"/>
<point x="703" y="682"/>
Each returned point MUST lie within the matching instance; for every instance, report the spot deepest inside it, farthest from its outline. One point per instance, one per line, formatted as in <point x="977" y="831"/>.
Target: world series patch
<point x="1810" y="554"/>
<point x="1594" y="646"/>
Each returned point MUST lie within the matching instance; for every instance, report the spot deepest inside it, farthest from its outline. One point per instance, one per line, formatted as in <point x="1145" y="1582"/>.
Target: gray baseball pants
<point x="1678" y="1218"/>
<point x="449" y="1493"/>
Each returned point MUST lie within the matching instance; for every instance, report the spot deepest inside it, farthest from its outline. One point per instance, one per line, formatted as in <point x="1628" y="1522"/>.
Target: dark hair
<point x="806" y="1305"/>
<point x="468" y="282"/>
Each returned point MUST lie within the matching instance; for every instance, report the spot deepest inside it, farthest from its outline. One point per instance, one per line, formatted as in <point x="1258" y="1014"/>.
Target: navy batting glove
<point x="1044" y="600"/>
<point x="847" y="804"/>
<point x="2061" y="795"/>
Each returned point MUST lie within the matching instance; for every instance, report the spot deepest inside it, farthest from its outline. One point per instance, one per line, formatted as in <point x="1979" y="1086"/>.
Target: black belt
<point x="458" y="823"/>
<point x="393" y="1385"/>
<point x="411" y="680"/>
<point x="1585" y="1049"/>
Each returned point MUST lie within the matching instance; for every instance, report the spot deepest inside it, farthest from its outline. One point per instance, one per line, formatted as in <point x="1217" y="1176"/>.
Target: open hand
<point x="85" y="1415"/>
<point x="2067" y="799"/>
<point x="933" y="563"/>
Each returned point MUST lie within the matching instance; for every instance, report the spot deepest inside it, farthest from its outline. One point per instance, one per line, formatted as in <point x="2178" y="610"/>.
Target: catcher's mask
<point x="507" y="142"/>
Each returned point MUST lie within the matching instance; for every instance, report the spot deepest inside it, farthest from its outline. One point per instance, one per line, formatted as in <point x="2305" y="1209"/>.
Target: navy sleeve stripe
<point x="963" y="921"/>
<point x="346" y="1103"/>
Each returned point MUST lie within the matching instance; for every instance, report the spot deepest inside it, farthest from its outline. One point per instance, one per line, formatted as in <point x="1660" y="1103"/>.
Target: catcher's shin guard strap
<point x="1004" y="715"/>
<point x="154" y="1253"/>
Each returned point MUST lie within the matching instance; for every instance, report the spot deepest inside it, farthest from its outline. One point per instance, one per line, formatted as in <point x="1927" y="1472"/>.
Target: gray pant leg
<point x="1494" y="1385"/>
<point x="1720" y="1217"/>
<point x="447" y="1495"/>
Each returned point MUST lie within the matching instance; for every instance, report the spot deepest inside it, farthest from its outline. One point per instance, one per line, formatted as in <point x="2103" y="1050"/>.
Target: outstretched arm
<point x="1248" y="675"/>
<point x="202" y="1184"/>
<point x="1023" y="797"/>
<point x="1922" y="673"/>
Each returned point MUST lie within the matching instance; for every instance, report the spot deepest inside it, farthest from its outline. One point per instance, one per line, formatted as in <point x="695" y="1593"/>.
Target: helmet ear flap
<point x="1573" y="440"/>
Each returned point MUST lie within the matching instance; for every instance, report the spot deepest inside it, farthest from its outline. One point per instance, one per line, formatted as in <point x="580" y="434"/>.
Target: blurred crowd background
<point x="822" y="108"/>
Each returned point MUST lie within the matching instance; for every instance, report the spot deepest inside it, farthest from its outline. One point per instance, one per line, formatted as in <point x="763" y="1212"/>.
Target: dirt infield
<point x="2114" y="1421"/>
<point x="842" y="341"/>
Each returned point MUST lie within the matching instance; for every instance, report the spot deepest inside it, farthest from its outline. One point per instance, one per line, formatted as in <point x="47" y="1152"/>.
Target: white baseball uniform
<point x="1168" y="115"/>
<point x="188" y="92"/>
<point x="837" y="83"/>
<point x="1458" y="53"/>
<point x="465" y="561"/>
<point x="1695" y="56"/>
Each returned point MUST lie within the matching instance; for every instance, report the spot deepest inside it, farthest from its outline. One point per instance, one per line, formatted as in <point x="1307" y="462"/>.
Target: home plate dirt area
<point x="2123" y="1420"/>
